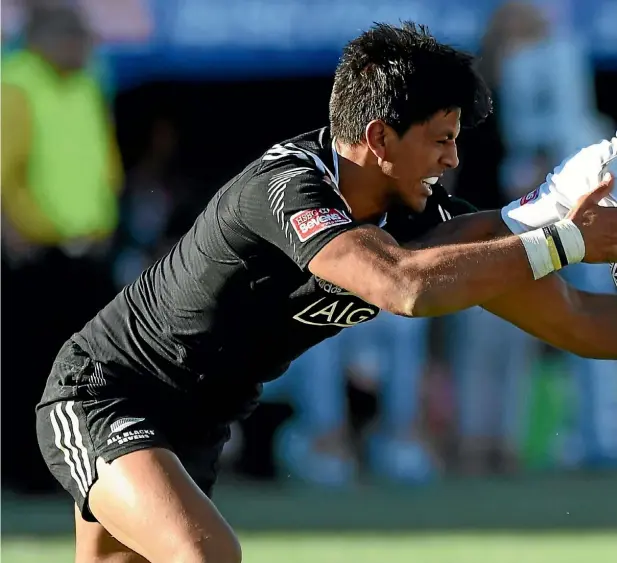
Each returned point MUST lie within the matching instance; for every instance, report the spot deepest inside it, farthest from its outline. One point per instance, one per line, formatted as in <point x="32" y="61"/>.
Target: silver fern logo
<point x="123" y="424"/>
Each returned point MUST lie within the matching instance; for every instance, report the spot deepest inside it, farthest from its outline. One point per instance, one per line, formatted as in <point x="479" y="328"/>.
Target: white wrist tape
<point x="571" y="240"/>
<point x="538" y="253"/>
<point x="551" y="248"/>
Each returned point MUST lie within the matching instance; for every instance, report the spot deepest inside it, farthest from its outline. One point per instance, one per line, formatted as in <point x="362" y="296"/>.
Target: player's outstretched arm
<point x="368" y="262"/>
<point x="579" y="322"/>
<point x="561" y="315"/>
<point x="448" y="278"/>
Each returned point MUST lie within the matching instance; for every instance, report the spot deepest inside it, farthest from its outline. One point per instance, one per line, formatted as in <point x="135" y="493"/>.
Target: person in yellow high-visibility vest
<point x="60" y="188"/>
<point x="60" y="165"/>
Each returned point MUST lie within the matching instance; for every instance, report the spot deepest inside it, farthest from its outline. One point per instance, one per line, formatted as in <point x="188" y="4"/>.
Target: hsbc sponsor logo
<point x="531" y="196"/>
<point x="308" y="223"/>
<point x="343" y="312"/>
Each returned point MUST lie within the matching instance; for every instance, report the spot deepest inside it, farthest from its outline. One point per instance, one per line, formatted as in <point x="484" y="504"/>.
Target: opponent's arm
<point x="576" y="321"/>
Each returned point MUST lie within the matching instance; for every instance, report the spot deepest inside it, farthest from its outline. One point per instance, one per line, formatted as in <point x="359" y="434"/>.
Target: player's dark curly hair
<point x="403" y="76"/>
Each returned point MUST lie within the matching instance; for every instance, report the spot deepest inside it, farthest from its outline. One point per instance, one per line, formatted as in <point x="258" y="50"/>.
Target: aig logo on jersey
<point x="308" y="223"/>
<point x="345" y="311"/>
<point x="338" y="308"/>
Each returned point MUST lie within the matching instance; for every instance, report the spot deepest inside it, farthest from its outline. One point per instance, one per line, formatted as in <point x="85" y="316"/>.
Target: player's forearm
<point x="594" y="335"/>
<point x="463" y="272"/>
<point x="561" y="315"/>
<point x="431" y="279"/>
<point x="450" y="278"/>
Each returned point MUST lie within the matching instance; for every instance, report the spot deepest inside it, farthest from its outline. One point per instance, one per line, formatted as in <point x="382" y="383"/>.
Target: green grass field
<point x="366" y="548"/>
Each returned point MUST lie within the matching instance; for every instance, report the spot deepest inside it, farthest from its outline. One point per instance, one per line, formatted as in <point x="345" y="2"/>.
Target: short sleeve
<point x="295" y="207"/>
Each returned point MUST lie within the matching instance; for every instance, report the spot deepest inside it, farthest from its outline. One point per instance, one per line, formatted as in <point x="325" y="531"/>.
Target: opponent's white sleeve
<point x="573" y="178"/>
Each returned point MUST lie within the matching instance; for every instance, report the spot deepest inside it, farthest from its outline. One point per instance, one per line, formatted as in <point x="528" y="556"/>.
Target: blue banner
<point x="244" y="38"/>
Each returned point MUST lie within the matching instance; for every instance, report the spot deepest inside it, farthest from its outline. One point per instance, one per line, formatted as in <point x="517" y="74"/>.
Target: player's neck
<point x="362" y="184"/>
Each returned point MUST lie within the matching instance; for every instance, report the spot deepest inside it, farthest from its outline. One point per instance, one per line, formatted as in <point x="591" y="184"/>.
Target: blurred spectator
<point x="548" y="111"/>
<point x="547" y="97"/>
<point x="595" y="381"/>
<point x="395" y="352"/>
<point x="153" y="207"/>
<point x="492" y="363"/>
<point x="545" y="109"/>
<point x="389" y="353"/>
<point x="14" y="39"/>
<point x="492" y="359"/>
<point x="60" y="166"/>
<point x="60" y="179"/>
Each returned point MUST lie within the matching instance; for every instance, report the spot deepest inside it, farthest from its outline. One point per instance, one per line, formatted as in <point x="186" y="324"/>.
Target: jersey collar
<point x="384" y="219"/>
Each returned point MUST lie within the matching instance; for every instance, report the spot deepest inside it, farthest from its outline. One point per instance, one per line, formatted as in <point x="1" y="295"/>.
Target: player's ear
<point x="376" y="138"/>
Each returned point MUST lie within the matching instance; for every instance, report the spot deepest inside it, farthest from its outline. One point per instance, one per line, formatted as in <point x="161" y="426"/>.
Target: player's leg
<point x="148" y="501"/>
<point x="94" y="544"/>
<point x="88" y="414"/>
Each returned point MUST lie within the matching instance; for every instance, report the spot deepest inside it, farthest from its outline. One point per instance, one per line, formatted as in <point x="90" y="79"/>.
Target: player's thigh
<point x="88" y="412"/>
<point x="94" y="544"/>
<point x="149" y="502"/>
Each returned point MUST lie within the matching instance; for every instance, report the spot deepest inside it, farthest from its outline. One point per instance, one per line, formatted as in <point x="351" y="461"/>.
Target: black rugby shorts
<point x="90" y="410"/>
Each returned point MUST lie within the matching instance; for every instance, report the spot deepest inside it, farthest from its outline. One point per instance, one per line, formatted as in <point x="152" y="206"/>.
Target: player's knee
<point x="222" y="549"/>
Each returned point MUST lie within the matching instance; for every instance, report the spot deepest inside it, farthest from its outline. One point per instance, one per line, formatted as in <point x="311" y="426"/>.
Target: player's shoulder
<point x="310" y="152"/>
<point x="297" y="170"/>
<point x="296" y="177"/>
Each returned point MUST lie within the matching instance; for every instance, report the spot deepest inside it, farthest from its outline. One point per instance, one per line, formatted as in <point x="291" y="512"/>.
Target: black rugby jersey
<point x="234" y="298"/>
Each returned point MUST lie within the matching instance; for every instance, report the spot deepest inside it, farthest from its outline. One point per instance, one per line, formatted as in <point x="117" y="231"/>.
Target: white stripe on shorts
<point x="75" y="453"/>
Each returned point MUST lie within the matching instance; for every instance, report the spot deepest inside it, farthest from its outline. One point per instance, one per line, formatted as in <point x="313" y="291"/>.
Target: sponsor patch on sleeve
<point x="308" y="223"/>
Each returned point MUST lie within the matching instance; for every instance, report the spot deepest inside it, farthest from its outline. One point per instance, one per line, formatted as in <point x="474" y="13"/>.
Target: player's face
<point x="420" y="156"/>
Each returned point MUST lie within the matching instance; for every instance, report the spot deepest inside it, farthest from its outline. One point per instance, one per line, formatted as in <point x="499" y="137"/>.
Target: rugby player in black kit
<point x="318" y="234"/>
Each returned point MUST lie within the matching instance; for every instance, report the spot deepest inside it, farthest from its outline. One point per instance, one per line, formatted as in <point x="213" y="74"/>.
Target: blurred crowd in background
<point x="120" y="119"/>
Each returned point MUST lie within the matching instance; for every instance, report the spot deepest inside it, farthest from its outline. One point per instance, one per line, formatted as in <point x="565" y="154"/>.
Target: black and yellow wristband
<point x="555" y="247"/>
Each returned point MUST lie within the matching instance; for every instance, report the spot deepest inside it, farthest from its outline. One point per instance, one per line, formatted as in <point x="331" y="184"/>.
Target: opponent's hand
<point x="598" y="224"/>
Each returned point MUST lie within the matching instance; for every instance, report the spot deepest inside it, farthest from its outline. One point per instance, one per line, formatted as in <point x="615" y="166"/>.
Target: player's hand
<point x="597" y="224"/>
